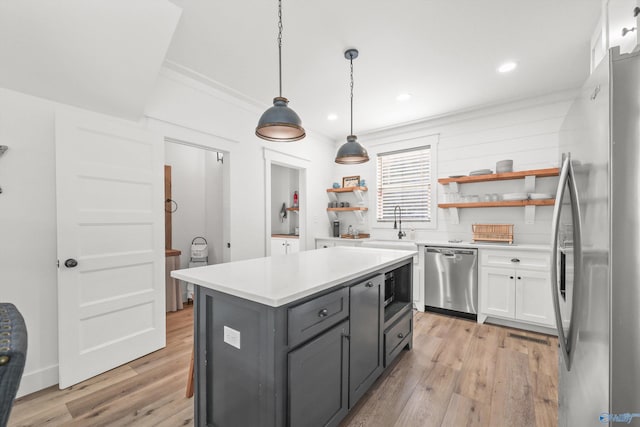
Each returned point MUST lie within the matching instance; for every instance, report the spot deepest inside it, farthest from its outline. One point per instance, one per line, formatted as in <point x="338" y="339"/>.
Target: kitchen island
<point x="297" y="339"/>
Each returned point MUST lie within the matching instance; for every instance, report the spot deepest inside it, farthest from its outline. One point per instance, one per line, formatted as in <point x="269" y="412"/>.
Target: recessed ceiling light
<point x="507" y="67"/>
<point x="332" y="116"/>
<point x="403" y="97"/>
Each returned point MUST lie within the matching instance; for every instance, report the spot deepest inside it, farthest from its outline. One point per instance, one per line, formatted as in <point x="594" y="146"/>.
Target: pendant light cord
<point x="280" y="45"/>
<point x="351" y="62"/>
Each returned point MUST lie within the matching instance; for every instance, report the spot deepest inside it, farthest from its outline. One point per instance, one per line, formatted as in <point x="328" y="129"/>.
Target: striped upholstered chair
<point x="13" y="352"/>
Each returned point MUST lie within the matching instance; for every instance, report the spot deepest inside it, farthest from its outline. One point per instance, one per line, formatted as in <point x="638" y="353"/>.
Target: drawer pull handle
<point x="323" y="313"/>
<point x="515" y="260"/>
<point x="369" y="285"/>
<point x="400" y="335"/>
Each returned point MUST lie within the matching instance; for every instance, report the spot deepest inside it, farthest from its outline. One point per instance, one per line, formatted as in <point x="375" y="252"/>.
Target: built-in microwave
<point x="389" y="288"/>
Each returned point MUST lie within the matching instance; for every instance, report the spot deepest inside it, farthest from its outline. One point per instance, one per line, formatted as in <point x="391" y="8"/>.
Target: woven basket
<point x="492" y="232"/>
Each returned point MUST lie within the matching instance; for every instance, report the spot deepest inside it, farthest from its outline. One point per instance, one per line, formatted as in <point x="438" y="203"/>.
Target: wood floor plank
<point x="382" y="405"/>
<point x="466" y="412"/>
<point x="478" y="368"/>
<point x="458" y="339"/>
<point x="430" y="399"/>
<point x="512" y="400"/>
<point x="28" y="409"/>
<point x="112" y="411"/>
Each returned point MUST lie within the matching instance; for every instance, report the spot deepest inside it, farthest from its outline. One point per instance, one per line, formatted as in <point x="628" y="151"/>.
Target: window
<point x="404" y="179"/>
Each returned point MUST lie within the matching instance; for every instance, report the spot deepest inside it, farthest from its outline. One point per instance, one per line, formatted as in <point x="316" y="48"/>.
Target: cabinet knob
<point x="510" y="277"/>
<point x="519" y="278"/>
<point x="323" y="313"/>
<point x="515" y="260"/>
<point x="369" y="285"/>
<point x="400" y="335"/>
<point x="70" y="263"/>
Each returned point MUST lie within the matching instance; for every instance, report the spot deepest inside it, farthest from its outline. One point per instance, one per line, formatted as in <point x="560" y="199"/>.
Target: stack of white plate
<point x="515" y="196"/>
<point x="481" y="172"/>
<point x="540" y="196"/>
<point x="504" y="166"/>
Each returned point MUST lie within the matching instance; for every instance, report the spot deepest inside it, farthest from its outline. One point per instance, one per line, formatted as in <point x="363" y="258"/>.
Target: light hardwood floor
<point x="459" y="373"/>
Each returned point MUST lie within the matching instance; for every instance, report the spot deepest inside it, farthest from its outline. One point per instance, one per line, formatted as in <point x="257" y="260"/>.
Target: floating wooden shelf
<point x="502" y="176"/>
<point x="350" y="208"/>
<point x="346" y="189"/>
<point x="502" y="203"/>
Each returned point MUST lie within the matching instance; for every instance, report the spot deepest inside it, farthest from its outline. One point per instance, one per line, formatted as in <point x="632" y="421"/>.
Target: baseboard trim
<point x="38" y="380"/>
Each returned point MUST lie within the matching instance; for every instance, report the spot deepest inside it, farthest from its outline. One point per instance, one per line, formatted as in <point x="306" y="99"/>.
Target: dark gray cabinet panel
<point x="309" y="319"/>
<point x="398" y="336"/>
<point x="366" y="323"/>
<point x="318" y="379"/>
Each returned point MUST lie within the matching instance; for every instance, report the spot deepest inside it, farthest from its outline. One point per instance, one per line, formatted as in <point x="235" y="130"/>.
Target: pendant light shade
<point x="280" y="123"/>
<point x="351" y="152"/>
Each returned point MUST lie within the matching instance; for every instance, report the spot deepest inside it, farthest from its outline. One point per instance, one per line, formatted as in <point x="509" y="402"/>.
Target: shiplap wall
<point x="524" y="131"/>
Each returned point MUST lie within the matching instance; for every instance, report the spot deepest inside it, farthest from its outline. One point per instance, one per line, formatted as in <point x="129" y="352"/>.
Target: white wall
<point x="525" y="131"/>
<point x="214" y="206"/>
<point x="28" y="252"/>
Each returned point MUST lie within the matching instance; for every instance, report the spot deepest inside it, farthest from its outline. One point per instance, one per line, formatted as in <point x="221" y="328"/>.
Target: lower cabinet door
<point x="318" y="379"/>
<point x="534" y="302"/>
<point x="497" y="292"/>
<point x="365" y="347"/>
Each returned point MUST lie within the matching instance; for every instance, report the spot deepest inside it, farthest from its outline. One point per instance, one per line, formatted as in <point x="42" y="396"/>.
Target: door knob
<point x="70" y="263"/>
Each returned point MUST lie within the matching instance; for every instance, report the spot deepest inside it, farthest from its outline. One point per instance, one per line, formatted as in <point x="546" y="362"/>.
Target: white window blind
<point x="404" y="179"/>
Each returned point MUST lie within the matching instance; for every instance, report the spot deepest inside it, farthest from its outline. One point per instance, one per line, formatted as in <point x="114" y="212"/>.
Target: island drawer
<point x="396" y="335"/>
<point x="312" y="317"/>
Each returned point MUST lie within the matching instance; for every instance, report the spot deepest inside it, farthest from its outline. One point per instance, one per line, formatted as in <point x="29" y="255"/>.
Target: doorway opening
<point x="285" y="202"/>
<point x="196" y="212"/>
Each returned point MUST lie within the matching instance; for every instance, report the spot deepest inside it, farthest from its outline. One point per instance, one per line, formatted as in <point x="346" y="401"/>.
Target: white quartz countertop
<point x="443" y="243"/>
<point x="281" y="279"/>
<point x="488" y="245"/>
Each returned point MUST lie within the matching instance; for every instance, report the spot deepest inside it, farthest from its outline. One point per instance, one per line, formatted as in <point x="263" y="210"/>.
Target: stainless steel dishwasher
<point x="451" y="280"/>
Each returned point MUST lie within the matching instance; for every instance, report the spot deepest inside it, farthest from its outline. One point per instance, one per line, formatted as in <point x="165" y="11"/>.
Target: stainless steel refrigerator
<point x="596" y="249"/>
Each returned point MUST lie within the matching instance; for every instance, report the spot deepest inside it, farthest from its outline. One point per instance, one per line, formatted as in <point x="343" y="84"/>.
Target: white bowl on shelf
<point x="540" y="196"/>
<point x="504" y="166"/>
<point x="515" y="196"/>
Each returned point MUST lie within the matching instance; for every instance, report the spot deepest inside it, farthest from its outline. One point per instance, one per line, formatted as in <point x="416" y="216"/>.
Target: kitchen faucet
<point x="401" y="233"/>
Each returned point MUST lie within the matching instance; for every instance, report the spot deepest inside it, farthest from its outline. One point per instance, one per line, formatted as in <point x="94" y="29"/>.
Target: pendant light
<point x="351" y="152"/>
<point x="280" y="123"/>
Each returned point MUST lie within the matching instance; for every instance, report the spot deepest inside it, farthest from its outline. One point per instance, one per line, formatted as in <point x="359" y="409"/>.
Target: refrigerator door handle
<point x="555" y="225"/>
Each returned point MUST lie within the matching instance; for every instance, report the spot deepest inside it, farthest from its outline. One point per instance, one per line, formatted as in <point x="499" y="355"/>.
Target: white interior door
<point x="111" y="306"/>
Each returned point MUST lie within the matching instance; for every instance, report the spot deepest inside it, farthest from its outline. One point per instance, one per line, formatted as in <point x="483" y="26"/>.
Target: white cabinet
<point x="515" y="285"/>
<point x="324" y="243"/>
<point x="282" y="246"/>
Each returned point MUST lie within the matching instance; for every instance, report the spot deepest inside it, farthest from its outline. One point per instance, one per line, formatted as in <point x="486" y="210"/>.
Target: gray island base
<point x="297" y="339"/>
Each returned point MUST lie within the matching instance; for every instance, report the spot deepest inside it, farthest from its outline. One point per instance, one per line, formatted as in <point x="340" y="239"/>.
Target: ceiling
<point x="443" y="52"/>
<point x="105" y="55"/>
